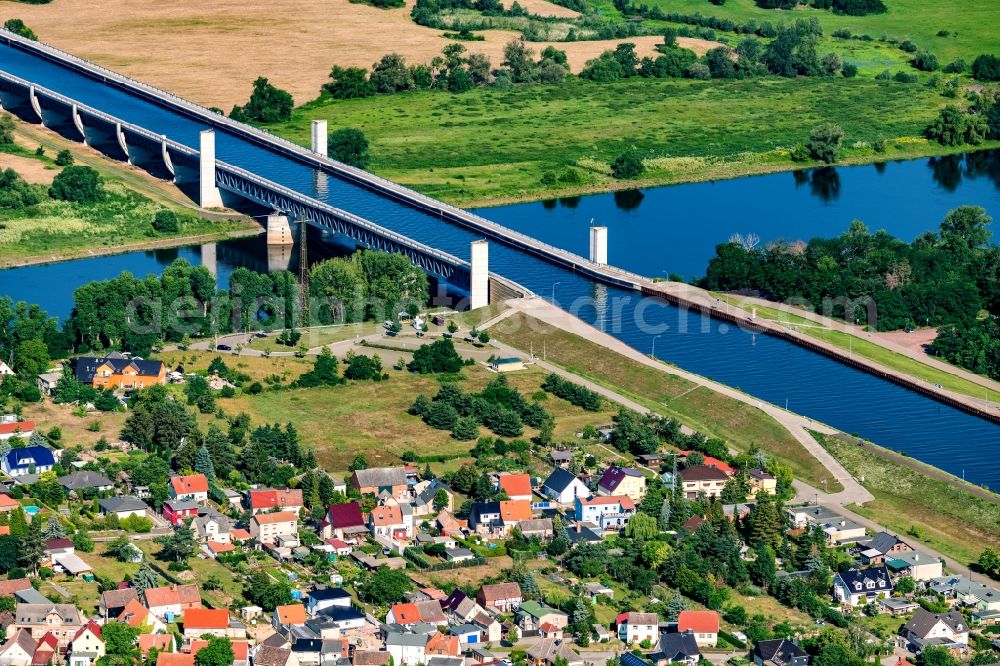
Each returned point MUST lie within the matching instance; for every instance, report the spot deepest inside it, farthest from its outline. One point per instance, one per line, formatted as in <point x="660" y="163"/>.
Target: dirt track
<point x="210" y="51"/>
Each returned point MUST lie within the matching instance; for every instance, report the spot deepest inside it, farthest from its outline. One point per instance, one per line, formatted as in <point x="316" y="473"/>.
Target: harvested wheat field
<point x="33" y="171"/>
<point x="211" y="51"/>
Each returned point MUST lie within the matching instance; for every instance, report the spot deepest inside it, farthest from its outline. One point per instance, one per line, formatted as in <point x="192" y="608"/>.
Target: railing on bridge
<point x="549" y="252"/>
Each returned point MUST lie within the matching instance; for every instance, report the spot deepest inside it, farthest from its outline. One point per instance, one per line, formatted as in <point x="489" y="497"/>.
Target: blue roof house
<point x="28" y="460"/>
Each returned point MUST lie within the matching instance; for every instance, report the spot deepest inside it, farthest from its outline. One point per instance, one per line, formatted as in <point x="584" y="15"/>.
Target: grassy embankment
<point x="53" y="230"/>
<point x="740" y="424"/>
<point x="490" y="146"/>
<point x="867" y="349"/>
<point x="956" y="522"/>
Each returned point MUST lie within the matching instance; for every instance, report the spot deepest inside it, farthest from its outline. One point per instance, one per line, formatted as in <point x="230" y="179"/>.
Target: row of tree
<point x="946" y="277"/>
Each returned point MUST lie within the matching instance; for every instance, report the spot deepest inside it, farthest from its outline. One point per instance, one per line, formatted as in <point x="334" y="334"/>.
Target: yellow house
<point x="622" y="481"/>
<point x="762" y="482"/>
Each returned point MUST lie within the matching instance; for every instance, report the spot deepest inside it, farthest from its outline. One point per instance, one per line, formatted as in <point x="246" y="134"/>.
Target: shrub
<point x="956" y="66"/>
<point x="799" y="153"/>
<point x="627" y="165"/>
<point x="904" y="77"/>
<point x="849" y="71"/>
<point x="925" y="61"/>
<point x="986" y="68"/>
<point x="548" y="178"/>
<point x="64" y="157"/>
<point x="908" y="46"/>
<point x="17" y="26"/>
<point x="165" y="222"/>
<point x="267" y="104"/>
<point x="80" y="184"/>
<point x="825" y="141"/>
<point x="349" y="145"/>
<point x="859" y="7"/>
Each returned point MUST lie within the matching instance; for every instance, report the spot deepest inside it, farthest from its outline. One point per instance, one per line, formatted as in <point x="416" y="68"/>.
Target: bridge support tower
<point x="479" y="282"/>
<point x="278" y="230"/>
<point x="319" y="137"/>
<point x="208" y="194"/>
<point x="599" y="245"/>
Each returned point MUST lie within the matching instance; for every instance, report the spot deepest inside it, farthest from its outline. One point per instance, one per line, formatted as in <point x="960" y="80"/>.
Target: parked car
<point x="224" y="348"/>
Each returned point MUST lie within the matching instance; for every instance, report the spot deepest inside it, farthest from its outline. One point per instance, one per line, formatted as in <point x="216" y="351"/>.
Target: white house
<point x="946" y="629"/>
<point x="636" y="627"/>
<point x="406" y="649"/>
<point x="564" y="487"/>
<point x="860" y="587"/>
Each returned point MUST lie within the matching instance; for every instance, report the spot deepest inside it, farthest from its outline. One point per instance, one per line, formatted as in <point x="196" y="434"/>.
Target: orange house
<point x="117" y="372"/>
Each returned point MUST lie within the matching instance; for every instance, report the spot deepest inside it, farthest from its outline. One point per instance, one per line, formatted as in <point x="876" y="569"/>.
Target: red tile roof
<point x="275" y="499"/>
<point x="291" y="614"/>
<point x="407" y="613"/>
<point x="192" y="483"/>
<point x="625" y="501"/>
<point x="516" y="484"/>
<point x="161" y="642"/>
<point x="700" y="622"/>
<point x="515" y="510"/>
<point x="345" y="515"/>
<point x="206" y="618"/>
<point x="91" y="626"/>
<point x="17" y="426"/>
<point x="174" y="659"/>
<point x="9" y="587"/>
<point x="276" y="517"/>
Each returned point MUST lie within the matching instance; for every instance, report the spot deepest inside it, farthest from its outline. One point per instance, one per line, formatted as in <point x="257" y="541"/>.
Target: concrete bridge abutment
<point x="599" y="245"/>
<point x="208" y="193"/>
<point x="319" y="137"/>
<point x="279" y="232"/>
<point x="479" y="280"/>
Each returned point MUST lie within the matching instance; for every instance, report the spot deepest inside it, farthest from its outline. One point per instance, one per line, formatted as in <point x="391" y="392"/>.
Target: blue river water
<point x="769" y="368"/>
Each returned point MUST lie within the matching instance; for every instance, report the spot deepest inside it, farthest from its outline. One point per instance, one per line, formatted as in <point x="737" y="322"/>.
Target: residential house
<point x="461" y="607"/>
<point x="860" y="587"/>
<point x="115" y="371"/>
<point x="113" y="602"/>
<point x="837" y="528"/>
<point x="699" y="480"/>
<point x="171" y="601"/>
<point x="504" y="597"/>
<point x="123" y="507"/>
<point x="426" y="494"/>
<point x="274" y="500"/>
<point x="414" y="612"/>
<point x="703" y="624"/>
<point x="564" y="487"/>
<point x="546" y="651"/>
<point x="375" y="481"/>
<point x="762" y="482"/>
<point x="344" y="522"/>
<point x="388" y="521"/>
<point x="327" y="597"/>
<point x="635" y="627"/>
<point x="517" y="486"/>
<point x="84" y="480"/>
<point x="532" y="615"/>
<point x="926" y="629"/>
<point x="10" y="427"/>
<point x="161" y="642"/>
<point x="981" y="599"/>
<point x="48" y="650"/>
<point x="606" y="512"/>
<point x="561" y="457"/>
<point x="448" y="524"/>
<point x="708" y="461"/>
<point x="210" y="525"/>
<point x="369" y="658"/>
<point x="538" y="527"/>
<point x="886" y="544"/>
<point x="678" y="648"/>
<point x="341" y="618"/>
<point x="7" y="504"/>
<point x="458" y="554"/>
<point x="48" y="381"/>
<point x="622" y="481"/>
<point x="87" y="646"/>
<point x="179" y="511"/>
<point x="212" y="621"/>
<point x="915" y="564"/>
<point x="19" y="649"/>
<point x="440" y="645"/>
<point x="406" y="649"/>
<point x="267" y="528"/>
<point x="288" y="615"/>
<point x="62" y="620"/>
<point x="26" y="460"/>
<point x="267" y="655"/>
<point x="189" y="487"/>
<point x="139" y="617"/>
<point x="779" y="652"/>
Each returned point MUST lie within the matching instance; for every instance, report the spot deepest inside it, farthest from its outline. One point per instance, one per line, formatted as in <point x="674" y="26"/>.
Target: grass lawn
<point x="971" y="26"/>
<point x="867" y="349"/>
<point x="75" y="429"/>
<point x="700" y="408"/>
<point x="339" y="422"/>
<point x="258" y="367"/>
<point x="448" y="145"/>
<point x="60" y="229"/>
<point x="319" y="336"/>
<point x="955" y="522"/>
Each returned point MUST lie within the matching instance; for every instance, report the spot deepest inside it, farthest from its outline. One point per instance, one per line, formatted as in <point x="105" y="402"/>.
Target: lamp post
<point x="553" y="299"/>
<point x="652" y="353"/>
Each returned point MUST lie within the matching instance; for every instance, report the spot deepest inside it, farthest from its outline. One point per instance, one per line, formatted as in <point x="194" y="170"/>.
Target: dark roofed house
<point x="926" y="629"/>
<point x="114" y="371"/>
<point x="678" y="648"/>
<point x="700" y="480"/>
<point x="378" y="480"/>
<point x="858" y="587"/>
<point x="779" y="652"/>
<point x="564" y="487"/>
<point x="123" y="506"/>
<point x="113" y="602"/>
<point x="27" y="460"/>
<point x="86" y="479"/>
<point x="343" y="521"/>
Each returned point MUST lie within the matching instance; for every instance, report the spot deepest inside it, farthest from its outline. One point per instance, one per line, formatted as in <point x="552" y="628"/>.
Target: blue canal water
<point x="769" y="368"/>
